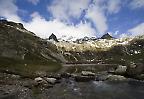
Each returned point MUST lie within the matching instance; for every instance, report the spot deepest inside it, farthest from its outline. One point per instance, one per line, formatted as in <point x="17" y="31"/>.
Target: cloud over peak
<point x="44" y="28"/>
<point x="97" y="17"/>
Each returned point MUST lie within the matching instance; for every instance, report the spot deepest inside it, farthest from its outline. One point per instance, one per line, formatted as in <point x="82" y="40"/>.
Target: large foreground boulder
<point x="135" y="69"/>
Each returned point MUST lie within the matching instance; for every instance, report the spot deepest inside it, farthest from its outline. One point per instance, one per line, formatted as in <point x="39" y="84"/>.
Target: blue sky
<point x="77" y="18"/>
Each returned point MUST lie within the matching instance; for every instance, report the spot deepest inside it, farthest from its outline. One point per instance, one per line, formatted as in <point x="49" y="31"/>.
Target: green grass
<point x="28" y="68"/>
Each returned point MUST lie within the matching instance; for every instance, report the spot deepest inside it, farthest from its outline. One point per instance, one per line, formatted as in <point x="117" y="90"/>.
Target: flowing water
<point x="69" y="89"/>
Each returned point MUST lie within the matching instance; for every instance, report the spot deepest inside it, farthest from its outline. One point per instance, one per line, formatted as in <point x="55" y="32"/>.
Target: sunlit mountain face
<point x="77" y="18"/>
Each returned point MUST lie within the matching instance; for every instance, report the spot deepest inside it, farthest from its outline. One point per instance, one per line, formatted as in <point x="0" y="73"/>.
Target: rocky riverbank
<point x="14" y="86"/>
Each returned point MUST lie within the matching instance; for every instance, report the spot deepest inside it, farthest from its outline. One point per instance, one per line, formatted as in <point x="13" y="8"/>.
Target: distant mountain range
<point x="71" y="38"/>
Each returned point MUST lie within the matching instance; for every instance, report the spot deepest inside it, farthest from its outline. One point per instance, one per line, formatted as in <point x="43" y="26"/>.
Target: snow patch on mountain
<point x="93" y="45"/>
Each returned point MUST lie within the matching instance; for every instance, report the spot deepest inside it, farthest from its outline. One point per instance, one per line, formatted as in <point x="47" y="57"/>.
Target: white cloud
<point x="138" y="30"/>
<point x="8" y="9"/>
<point x="41" y="26"/>
<point x="35" y="2"/>
<point x="123" y="35"/>
<point x="113" y="6"/>
<point x="96" y="15"/>
<point x="136" y="4"/>
<point x="44" y="28"/>
<point x="116" y="33"/>
<point x="65" y="9"/>
<point x="95" y="12"/>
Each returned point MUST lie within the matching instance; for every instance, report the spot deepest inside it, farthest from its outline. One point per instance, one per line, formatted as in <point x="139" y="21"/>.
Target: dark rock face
<point x="107" y="36"/>
<point x="53" y="37"/>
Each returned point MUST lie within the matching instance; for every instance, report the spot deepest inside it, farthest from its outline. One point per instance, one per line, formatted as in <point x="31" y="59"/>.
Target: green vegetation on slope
<point x="23" y="53"/>
<point x="27" y="68"/>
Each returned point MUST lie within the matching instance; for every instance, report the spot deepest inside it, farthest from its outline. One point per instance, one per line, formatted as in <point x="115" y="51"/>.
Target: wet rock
<point x="56" y="76"/>
<point x="121" y="70"/>
<point x="15" y="76"/>
<point x="116" y="78"/>
<point x="73" y="75"/>
<point x="38" y="79"/>
<point x="111" y="70"/>
<point x="109" y="77"/>
<point x="51" y="80"/>
<point x="84" y="78"/>
<point x="43" y="83"/>
<point x="87" y="73"/>
<point x="65" y="75"/>
<point x="101" y="77"/>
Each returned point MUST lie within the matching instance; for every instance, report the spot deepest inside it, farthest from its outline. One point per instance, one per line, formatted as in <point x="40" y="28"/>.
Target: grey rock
<point x="116" y="78"/>
<point x="66" y="75"/>
<point x="84" y="78"/>
<point x="87" y="73"/>
<point x="38" y="79"/>
<point x="121" y="70"/>
<point x="135" y="69"/>
<point x="51" y="80"/>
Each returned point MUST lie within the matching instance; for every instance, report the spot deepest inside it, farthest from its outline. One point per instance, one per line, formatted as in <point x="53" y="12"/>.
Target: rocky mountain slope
<point x="22" y="51"/>
<point x="101" y="50"/>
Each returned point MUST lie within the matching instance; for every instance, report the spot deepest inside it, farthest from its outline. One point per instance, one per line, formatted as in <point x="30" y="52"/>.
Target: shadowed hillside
<point x="21" y="51"/>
